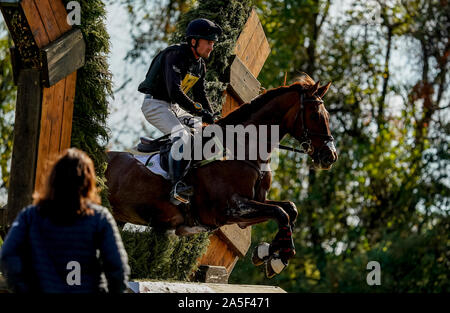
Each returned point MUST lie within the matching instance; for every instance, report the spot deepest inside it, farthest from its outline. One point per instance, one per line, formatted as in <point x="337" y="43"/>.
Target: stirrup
<point x="181" y="193"/>
<point x="181" y="188"/>
<point x="177" y="199"/>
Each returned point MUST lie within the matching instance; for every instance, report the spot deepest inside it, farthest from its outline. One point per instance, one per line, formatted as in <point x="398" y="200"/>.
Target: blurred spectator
<point x="66" y="242"/>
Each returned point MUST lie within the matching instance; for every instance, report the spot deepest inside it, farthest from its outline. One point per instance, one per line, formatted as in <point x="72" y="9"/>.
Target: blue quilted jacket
<point x="85" y="257"/>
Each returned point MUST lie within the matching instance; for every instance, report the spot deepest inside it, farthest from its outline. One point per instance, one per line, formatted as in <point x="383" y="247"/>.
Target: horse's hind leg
<point x="247" y="211"/>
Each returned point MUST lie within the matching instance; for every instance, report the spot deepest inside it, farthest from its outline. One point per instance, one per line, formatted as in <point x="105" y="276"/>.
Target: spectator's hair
<point x="70" y="187"/>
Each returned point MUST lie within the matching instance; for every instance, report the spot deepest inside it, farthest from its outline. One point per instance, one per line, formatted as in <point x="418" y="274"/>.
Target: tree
<point x="378" y="201"/>
<point x="7" y="105"/>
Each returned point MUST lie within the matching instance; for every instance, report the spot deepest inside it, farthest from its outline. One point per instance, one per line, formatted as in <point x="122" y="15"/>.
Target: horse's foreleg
<point x="278" y="253"/>
<point x="289" y="207"/>
<point x="245" y="211"/>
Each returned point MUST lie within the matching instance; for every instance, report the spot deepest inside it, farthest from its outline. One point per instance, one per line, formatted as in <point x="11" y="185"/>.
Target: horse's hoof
<point x="260" y="253"/>
<point x="274" y="266"/>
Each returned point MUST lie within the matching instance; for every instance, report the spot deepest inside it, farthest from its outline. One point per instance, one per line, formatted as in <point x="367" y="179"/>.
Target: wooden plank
<point x="261" y="54"/>
<point x="252" y="46"/>
<point x="246" y="34"/>
<point x="63" y="56"/>
<point x="56" y="119"/>
<point x="211" y="274"/>
<point x="60" y="13"/>
<point x="44" y="139"/>
<point x="48" y="19"/>
<point x="69" y="97"/>
<point x="234" y="103"/>
<point x="25" y="146"/>
<point x="239" y="239"/>
<point x="35" y="22"/>
<point x="16" y="63"/>
<point x="226" y="107"/>
<point x="242" y="83"/>
<point x="22" y="36"/>
<point x="219" y="254"/>
<point x="193" y="287"/>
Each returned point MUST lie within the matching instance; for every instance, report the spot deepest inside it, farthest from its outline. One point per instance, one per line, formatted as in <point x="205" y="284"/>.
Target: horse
<point x="231" y="191"/>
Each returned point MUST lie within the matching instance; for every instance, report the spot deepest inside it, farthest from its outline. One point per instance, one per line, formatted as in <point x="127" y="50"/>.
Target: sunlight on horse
<point x="231" y="191"/>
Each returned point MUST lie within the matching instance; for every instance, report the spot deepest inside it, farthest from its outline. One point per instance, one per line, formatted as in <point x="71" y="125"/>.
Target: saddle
<point x="162" y="145"/>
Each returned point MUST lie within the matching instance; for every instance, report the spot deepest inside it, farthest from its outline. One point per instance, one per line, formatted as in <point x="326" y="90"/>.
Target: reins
<point x="305" y="139"/>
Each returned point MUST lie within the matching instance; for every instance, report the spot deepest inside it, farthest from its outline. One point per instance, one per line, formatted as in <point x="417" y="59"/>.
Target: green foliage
<point x="152" y="23"/>
<point x="94" y="87"/>
<point x="292" y="29"/>
<point x="159" y="255"/>
<point x="231" y="17"/>
<point x="7" y="106"/>
<point x="386" y="198"/>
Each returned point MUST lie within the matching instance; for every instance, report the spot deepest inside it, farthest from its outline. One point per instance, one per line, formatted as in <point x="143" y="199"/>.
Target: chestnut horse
<point x="231" y="191"/>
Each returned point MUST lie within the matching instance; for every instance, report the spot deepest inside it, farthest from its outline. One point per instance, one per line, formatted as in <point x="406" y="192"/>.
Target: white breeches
<point x="169" y="118"/>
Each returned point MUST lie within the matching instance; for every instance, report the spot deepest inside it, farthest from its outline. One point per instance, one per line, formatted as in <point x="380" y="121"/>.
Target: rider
<point x="172" y="73"/>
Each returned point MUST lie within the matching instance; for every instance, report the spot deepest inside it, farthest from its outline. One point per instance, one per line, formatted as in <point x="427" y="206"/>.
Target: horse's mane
<point x="242" y="113"/>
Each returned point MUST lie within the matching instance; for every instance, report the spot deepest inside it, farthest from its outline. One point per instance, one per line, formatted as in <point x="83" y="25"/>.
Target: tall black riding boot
<point x="180" y="191"/>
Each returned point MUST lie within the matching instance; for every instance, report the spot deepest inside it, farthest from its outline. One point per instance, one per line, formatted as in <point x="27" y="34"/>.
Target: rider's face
<point x="205" y="47"/>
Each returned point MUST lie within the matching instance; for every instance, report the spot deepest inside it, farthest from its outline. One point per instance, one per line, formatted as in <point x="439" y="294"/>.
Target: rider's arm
<point x="172" y="77"/>
<point x="199" y="92"/>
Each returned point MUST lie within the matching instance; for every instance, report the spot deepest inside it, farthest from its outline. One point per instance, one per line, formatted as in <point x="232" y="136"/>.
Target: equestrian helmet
<point x="203" y="28"/>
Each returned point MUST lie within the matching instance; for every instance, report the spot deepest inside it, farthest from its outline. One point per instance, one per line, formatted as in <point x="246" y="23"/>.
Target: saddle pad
<point x="152" y="164"/>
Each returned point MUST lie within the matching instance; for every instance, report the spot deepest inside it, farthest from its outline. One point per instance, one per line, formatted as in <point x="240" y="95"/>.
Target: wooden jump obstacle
<point x="229" y="243"/>
<point x="189" y="287"/>
<point x="46" y="55"/>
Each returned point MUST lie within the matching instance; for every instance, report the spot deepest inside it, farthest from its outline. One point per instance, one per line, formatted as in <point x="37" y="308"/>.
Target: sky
<point x="126" y="105"/>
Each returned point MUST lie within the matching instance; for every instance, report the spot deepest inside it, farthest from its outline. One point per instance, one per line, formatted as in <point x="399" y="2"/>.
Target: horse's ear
<point x="323" y="90"/>
<point x="314" y="88"/>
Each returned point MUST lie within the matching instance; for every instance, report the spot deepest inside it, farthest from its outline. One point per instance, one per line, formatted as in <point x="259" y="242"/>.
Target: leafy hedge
<point x="93" y="89"/>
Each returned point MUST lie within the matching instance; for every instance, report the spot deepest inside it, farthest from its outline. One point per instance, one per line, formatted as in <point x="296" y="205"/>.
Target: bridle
<point x="305" y="139"/>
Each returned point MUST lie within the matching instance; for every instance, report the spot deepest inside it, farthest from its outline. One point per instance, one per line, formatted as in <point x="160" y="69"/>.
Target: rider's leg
<point x="163" y="116"/>
<point x="187" y="118"/>
<point x="178" y="163"/>
<point x="160" y="115"/>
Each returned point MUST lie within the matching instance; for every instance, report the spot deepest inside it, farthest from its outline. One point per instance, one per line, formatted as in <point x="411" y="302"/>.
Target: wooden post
<point x="229" y="243"/>
<point x="26" y="136"/>
<point x="46" y="55"/>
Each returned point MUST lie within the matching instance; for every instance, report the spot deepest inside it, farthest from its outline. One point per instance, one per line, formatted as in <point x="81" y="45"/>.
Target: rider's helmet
<point x="204" y="29"/>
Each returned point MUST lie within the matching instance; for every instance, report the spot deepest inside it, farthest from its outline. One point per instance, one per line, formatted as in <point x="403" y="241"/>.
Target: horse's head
<point x="310" y="126"/>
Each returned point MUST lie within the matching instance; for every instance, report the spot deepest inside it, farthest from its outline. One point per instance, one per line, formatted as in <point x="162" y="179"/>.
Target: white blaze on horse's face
<point x="330" y="145"/>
